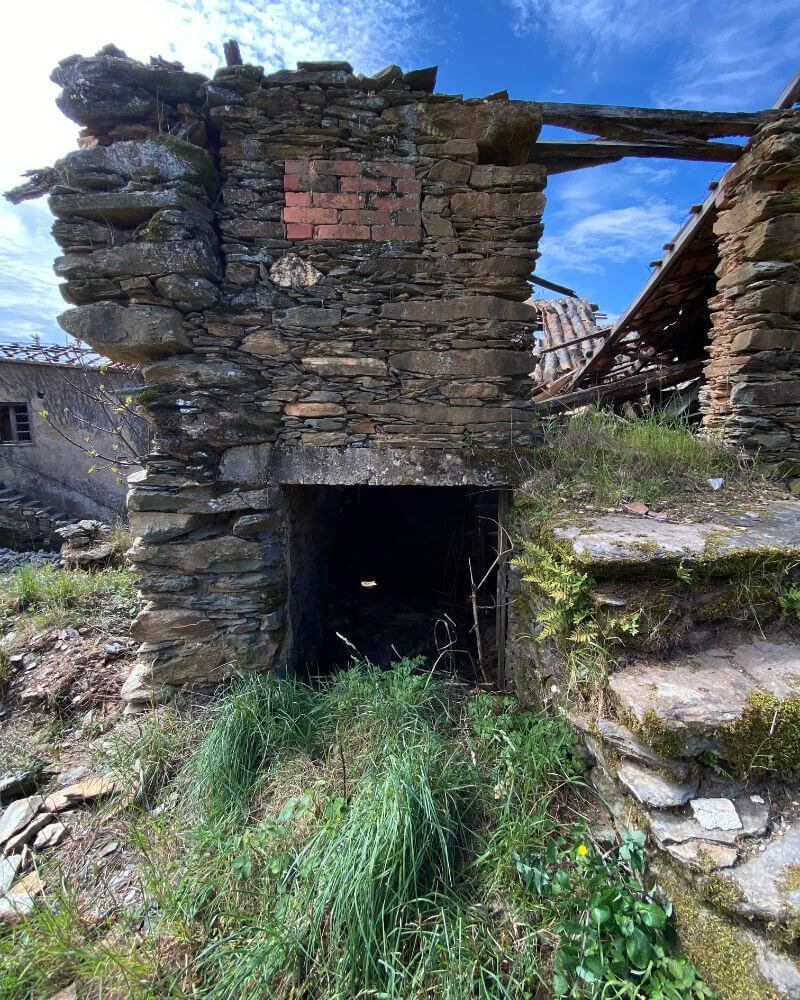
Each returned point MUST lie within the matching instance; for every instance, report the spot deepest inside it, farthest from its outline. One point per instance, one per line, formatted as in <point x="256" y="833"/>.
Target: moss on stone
<point x="790" y="878"/>
<point x="196" y="157"/>
<point x="724" y="953"/>
<point x="721" y="893"/>
<point x="766" y="738"/>
<point x="657" y="734"/>
<point x="156" y="230"/>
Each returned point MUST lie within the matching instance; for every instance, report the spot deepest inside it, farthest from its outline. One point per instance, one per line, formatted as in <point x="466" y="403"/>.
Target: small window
<point x="15" y="423"/>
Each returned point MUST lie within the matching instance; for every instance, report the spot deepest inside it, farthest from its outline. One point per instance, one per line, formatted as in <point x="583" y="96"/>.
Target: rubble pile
<point x="87" y="544"/>
<point x="39" y="809"/>
<point x="753" y="390"/>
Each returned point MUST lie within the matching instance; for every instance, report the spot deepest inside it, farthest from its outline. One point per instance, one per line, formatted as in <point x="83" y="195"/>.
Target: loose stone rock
<point x="716" y="814"/>
<point x="652" y="789"/>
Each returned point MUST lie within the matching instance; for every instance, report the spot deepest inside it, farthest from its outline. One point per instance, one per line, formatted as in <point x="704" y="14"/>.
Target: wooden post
<point x="233" y="56"/>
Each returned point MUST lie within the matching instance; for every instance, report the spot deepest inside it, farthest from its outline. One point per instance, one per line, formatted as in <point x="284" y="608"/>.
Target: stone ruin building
<point x="325" y="278"/>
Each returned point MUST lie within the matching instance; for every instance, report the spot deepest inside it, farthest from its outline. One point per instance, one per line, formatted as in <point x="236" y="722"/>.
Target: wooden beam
<point x="614" y="122"/>
<point x="624" y="386"/>
<point x="546" y="151"/>
<point x="790" y="94"/>
<point x="685" y="236"/>
<point x="544" y="283"/>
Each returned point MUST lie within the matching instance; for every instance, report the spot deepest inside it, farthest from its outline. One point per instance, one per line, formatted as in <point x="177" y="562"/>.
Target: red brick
<point x="296" y="199"/>
<point x="295" y="182"/>
<point x="366" y="218"/>
<point x="395" y="233"/>
<point x="405" y="185"/>
<point x="366" y="184"/>
<point x="392" y="168"/>
<point x="408" y="218"/>
<point x="346" y="168"/>
<point x="325" y="200"/>
<point x="342" y="232"/>
<point x="296" y="166"/>
<point x="299" y="231"/>
<point x="326" y="215"/>
<point x="395" y="203"/>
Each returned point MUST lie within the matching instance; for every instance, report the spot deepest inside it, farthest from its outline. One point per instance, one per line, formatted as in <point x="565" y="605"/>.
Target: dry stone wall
<point x="301" y="261"/>
<point x="752" y="395"/>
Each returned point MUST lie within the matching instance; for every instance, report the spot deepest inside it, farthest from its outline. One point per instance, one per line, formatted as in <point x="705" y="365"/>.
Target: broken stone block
<point x="17" y="784"/>
<point x="716" y="814"/>
<point x="127" y="333"/>
<point x="8" y="871"/>
<point x="98" y="786"/>
<point x="18" y="815"/>
<point x="50" y="836"/>
<point x="20" y="900"/>
<point x="28" y="832"/>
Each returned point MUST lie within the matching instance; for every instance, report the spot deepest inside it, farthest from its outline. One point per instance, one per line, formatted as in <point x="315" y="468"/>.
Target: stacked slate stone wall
<point x="752" y="395"/>
<point x="302" y="262"/>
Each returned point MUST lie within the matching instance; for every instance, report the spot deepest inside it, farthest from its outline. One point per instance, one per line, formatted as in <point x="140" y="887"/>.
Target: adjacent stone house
<point x="54" y="428"/>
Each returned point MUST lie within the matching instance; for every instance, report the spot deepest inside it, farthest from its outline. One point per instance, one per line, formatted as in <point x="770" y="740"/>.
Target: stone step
<point x="615" y="543"/>
<point x="766" y="888"/>
<point x="714" y="700"/>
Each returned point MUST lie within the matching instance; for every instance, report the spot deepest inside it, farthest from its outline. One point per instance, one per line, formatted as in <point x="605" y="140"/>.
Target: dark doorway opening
<point x="398" y="571"/>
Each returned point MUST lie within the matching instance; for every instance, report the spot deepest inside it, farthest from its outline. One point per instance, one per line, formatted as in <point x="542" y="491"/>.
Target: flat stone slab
<point x="698" y="694"/>
<point x="667" y="828"/>
<point x="629" y="745"/>
<point x="650" y="788"/>
<point x="716" y="814"/>
<point x="698" y="854"/>
<point x="617" y="540"/>
<point x="767" y="887"/>
<point x="17" y="816"/>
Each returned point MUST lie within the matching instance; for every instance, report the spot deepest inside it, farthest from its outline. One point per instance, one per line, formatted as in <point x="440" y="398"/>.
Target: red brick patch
<point x="319" y="215"/>
<point x="295" y="199"/>
<point x="351" y="200"/>
<point x="325" y="200"/>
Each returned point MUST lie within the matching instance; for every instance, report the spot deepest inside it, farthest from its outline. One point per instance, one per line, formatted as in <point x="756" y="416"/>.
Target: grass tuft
<point x="599" y="457"/>
<point x="50" y="597"/>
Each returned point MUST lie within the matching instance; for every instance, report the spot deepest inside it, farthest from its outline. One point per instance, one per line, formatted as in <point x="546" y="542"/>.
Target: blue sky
<point x="603" y="224"/>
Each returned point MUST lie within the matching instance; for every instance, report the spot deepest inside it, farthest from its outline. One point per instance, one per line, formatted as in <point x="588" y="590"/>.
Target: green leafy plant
<point x="789" y="601"/>
<point x="615" y="938"/>
<point x="565" y="615"/>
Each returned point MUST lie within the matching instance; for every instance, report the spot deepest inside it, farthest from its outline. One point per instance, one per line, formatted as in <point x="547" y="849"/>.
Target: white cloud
<point x="610" y="237"/>
<point x="274" y="33"/>
<point x="719" y="54"/>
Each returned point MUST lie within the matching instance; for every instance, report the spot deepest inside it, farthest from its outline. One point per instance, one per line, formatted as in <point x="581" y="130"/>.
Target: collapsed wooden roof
<point x="659" y="339"/>
<point x="568" y="335"/>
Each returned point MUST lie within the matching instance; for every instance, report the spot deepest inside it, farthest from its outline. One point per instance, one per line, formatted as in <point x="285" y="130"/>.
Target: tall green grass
<point x="359" y="838"/>
<point x="53" y="597"/>
<point x="598" y="456"/>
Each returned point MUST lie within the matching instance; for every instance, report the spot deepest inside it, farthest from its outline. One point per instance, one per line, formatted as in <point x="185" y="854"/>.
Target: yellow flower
<point x="583" y="850"/>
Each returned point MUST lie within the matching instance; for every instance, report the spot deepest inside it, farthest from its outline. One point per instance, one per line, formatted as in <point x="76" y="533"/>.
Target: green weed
<point x="614" y="935"/>
<point x="597" y="456"/>
<point x="360" y="838"/>
<point x="55" y="598"/>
